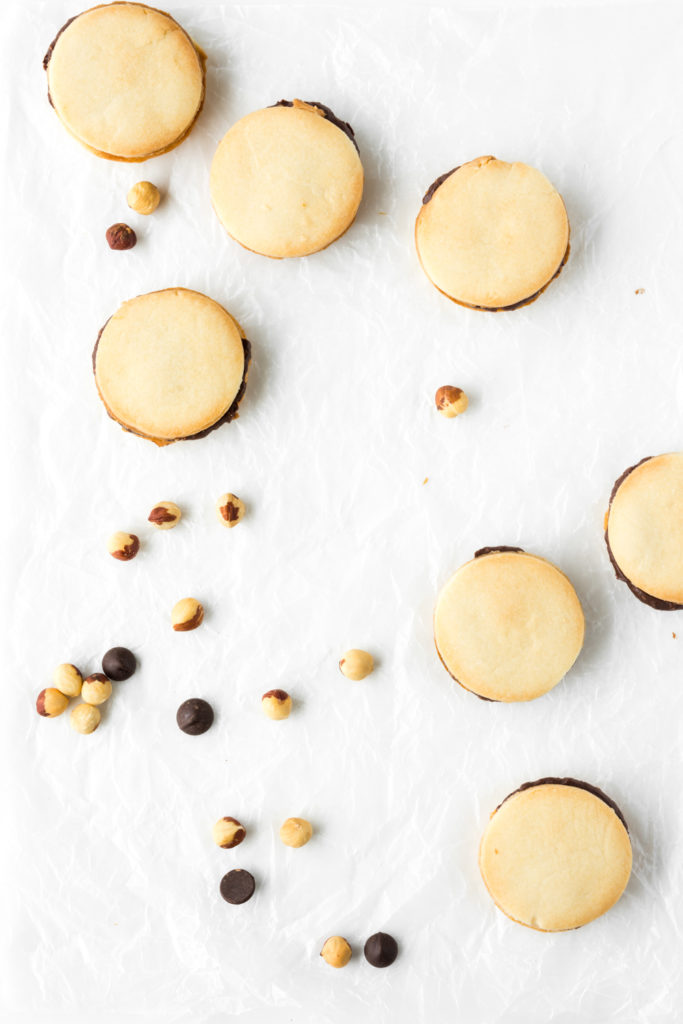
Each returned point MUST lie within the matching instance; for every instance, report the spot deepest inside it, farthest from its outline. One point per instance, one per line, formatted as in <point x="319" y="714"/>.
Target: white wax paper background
<point x="362" y="501"/>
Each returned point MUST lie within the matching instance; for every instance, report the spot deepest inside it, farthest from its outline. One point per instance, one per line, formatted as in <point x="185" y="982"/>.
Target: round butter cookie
<point x="125" y="80"/>
<point x="508" y="625"/>
<point x="287" y="180"/>
<point x="644" y="530"/>
<point x="556" y="854"/>
<point x="492" y="235"/>
<point x="171" y="365"/>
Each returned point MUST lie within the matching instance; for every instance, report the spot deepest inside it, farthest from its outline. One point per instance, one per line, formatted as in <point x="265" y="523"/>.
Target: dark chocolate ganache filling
<point x="343" y="126"/>
<point x="551" y="781"/>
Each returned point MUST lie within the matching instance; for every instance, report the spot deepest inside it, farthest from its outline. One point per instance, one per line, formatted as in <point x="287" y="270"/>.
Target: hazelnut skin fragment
<point x="120" y="237"/>
<point x="68" y="680"/>
<point x="123" y="546"/>
<point x="96" y="689"/>
<point x="296" y="832"/>
<point x="450" y="401"/>
<point x="187" y="614"/>
<point x="143" y="197"/>
<point x="277" y="704"/>
<point x="85" y="718"/>
<point x="228" y="833"/>
<point x="165" y="515"/>
<point x="336" y="951"/>
<point x="230" y="509"/>
<point x="51" y="703"/>
<point x="356" y="664"/>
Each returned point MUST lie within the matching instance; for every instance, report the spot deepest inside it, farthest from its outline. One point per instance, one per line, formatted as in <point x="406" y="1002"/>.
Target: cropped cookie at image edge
<point x="555" y="854"/>
<point x="287" y="180"/>
<point x="492" y="235"/>
<point x="125" y="80"/>
<point x="508" y="625"/>
<point x="171" y="365"/>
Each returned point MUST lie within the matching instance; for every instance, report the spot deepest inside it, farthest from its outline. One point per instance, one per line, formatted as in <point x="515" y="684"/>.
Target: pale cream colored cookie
<point x="644" y="529"/>
<point x="508" y="625"/>
<point x="125" y="80"/>
<point x="171" y="364"/>
<point x="555" y="855"/>
<point x="492" y="235"/>
<point x="286" y="181"/>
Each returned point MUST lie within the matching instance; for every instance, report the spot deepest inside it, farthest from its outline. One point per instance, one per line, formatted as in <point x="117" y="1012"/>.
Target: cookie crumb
<point x="673" y="635"/>
<point x="640" y="291"/>
<point x="425" y="480"/>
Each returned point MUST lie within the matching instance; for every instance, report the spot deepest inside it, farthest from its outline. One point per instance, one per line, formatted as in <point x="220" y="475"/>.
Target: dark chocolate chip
<point x="118" y="664"/>
<point x="381" y="949"/>
<point x="237" y="886"/>
<point x="194" y="716"/>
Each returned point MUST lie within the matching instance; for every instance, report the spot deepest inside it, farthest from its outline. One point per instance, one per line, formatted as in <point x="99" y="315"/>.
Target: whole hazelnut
<point x="143" y="197"/>
<point x="277" y="704"/>
<point x="165" y="515"/>
<point x="296" y="832"/>
<point x="51" y="703"/>
<point x="68" y="680"/>
<point x="123" y="546"/>
<point x="228" y="832"/>
<point x="356" y="664"/>
<point x="230" y="509"/>
<point x="96" y="689"/>
<point x="121" y="236"/>
<point x="450" y="401"/>
<point x="85" y="718"/>
<point x="187" y="614"/>
<point x="336" y="951"/>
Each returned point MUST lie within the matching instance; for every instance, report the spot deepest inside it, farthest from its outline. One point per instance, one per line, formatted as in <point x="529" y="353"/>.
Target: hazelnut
<point x="336" y="951"/>
<point x="68" y="680"/>
<point x="356" y="664"/>
<point x="85" y="718"/>
<point x="120" y="236"/>
<point x="51" y="702"/>
<point x="296" y="832"/>
<point x="96" y="689"/>
<point x="187" y="614"/>
<point x="228" y="832"/>
<point x="230" y="509"/>
<point x="165" y="515"/>
<point x="143" y="197"/>
<point x="450" y="401"/>
<point x="123" y="546"/>
<point x="277" y="704"/>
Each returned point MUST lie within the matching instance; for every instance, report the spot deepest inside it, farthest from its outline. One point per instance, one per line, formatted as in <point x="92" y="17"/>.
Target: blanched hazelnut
<point x="123" y="546"/>
<point x="296" y="832"/>
<point x="277" y="704"/>
<point x="228" y="832"/>
<point x="187" y="614"/>
<point x="165" y="515"/>
<point x="51" y="703"/>
<point x="230" y="509"/>
<point x="336" y="951"/>
<point x="450" y="401"/>
<point x="120" y="237"/>
<point x="96" y="689"/>
<point x="356" y="664"/>
<point x="68" y="680"/>
<point x="143" y="197"/>
<point x="85" y="718"/>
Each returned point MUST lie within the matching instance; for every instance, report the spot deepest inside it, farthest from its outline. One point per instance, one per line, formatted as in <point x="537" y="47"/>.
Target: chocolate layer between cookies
<point x="642" y="595"/>
<point x="231" y="414"/>
<point x="328" y="114"/>
<point x="577" y="784"/>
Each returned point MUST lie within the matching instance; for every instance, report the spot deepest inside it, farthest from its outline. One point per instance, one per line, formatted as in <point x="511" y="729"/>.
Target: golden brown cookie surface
<point x="508" y="625"/>
<point x="555" y="856"/>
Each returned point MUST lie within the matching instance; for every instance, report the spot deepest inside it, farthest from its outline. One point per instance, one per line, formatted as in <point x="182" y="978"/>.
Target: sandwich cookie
<point x="171" y="365"/>
<point x="508" y="625"/>
<point x="644" y="530"/>
<point x="125" y="80"/>
<point x="287" y="180"/>
<point x="556" y="854"/>
<point x="492" y="235"/>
